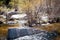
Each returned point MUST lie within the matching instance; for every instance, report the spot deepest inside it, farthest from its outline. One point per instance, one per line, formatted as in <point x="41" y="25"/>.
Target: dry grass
<point x="50" y="27"/>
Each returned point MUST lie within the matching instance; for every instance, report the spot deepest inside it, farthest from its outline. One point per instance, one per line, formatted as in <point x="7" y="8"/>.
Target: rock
<point x="27" y="33"/>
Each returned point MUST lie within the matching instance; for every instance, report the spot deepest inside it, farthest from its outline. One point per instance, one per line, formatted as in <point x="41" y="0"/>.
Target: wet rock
<point x="30" y="34"/>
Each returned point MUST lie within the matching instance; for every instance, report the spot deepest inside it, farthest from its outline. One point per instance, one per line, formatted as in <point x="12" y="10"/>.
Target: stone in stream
<point x="30" y="33"/>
